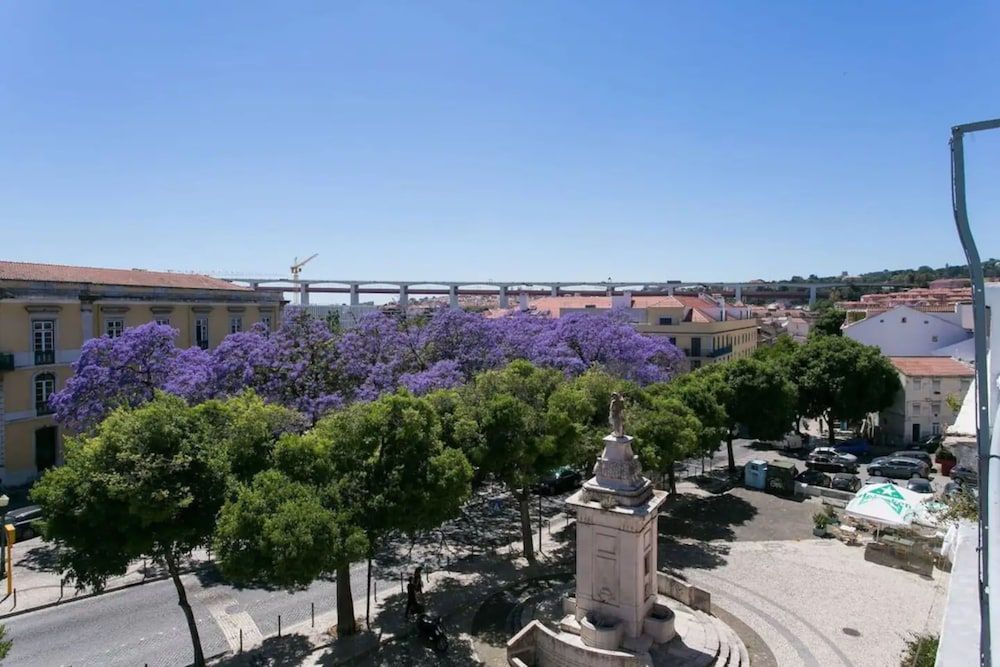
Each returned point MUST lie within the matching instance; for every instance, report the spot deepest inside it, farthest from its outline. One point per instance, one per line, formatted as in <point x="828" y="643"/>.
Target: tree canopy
<point x="839" y="378"/>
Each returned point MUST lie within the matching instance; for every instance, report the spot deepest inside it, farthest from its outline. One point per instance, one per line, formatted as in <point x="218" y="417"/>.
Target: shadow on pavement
<point x="41" y="558"/>
<point x="273" y="652"/>
<point x="699" y="518"/>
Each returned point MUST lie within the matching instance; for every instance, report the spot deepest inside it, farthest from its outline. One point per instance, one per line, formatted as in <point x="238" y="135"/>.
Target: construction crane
<point x="297" y="265"/>
<point x="296" y="270"/>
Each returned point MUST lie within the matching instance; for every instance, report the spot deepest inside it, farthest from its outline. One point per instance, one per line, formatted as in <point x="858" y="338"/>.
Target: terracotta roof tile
<point x="58" y="273"/>
<point x="931" y="367"/>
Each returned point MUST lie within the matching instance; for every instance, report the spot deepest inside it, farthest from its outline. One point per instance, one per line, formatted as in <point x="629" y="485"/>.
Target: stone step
<point x="734" y="653"/>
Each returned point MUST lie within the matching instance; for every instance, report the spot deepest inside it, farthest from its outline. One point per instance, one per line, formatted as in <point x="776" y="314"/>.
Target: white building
<point x="923" y="406"/>
<point x="908" y="332"/>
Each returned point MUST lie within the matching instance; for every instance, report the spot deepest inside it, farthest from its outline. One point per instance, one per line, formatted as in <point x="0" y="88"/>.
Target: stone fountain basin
<point x="659" y="624"/>
<point x="599" y="632"/>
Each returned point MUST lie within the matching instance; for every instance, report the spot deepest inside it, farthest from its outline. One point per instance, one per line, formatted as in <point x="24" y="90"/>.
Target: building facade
<point x="47" y="313"/>
<point x="705" y="329"/>
<point x="904" y="331"/>
<point x="932" y="387"/>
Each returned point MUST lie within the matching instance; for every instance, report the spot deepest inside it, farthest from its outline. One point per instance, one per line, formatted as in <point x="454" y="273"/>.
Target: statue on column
<point x="617" y="415"/>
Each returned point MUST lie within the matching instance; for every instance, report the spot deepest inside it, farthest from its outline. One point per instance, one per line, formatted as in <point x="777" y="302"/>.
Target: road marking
<point x="216" y="601"/>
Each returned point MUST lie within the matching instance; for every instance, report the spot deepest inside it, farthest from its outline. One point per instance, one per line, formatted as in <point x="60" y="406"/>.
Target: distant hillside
<point x="918" y="277"/>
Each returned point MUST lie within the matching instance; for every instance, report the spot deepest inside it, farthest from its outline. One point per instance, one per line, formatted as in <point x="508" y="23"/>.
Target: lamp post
<point x="4" y="501"/>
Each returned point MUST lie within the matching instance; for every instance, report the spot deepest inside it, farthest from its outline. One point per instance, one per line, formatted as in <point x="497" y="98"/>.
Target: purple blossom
<point x="443" y="374"/>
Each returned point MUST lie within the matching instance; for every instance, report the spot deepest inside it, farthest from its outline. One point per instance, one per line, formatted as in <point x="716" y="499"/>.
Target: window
<point x="163" y="320"/>
<point x="590" y="305"/>
<point x="916" y="409"/>
<point x="903" y="320"/>
<point x="936" y="408"/>
<point x="45" y="385"/>
<point x="936" y="386"/>
<point x="695" y="346"/>
<point x="936" y="428"/>
<point x="934" y="339"/>
<point x="201" y="332"/>
<point x="666" y="320"/>
<point x="916" y="384"/>
<point x="114" y="327"/>
<point x="266" y="321"/>
<point x="43" y="341"/>
<point x="235" y="324"/>
<point x="673" y="340"/>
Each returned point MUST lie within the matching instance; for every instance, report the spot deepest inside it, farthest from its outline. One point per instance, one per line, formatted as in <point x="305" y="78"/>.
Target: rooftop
<point x="931" y="367"/>
<point x="59" y="273"/>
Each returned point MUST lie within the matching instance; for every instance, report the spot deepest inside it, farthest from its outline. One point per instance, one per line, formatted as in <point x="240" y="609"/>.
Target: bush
<point x="921" y="651"/>
<point x="821" y="519"/>
<point x="944" y="454"/>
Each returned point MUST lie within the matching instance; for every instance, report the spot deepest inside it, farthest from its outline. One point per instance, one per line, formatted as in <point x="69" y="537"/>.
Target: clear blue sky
<point x="511" y="140"/>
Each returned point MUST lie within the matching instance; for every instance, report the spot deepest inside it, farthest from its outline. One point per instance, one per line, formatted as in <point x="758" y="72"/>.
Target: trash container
<point x="755" y="474"/>
<point x="781" y="477"/>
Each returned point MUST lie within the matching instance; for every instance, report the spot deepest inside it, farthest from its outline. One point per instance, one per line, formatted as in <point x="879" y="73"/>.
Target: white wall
<point x="919" y="335"/>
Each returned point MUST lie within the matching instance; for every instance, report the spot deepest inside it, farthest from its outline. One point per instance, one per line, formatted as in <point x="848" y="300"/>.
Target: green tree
<point x="829" y="322"/>
<point x="5" y="644"/>
<point x="279" y="531"/>
<point x="666" y="431"/>
<point x="517" y="438"/>
<point x="703" y="392"/>
<point x="146" y="484"/>
<point x="759" y="397"/>
<point x="839" y="378"/>
<point x="370" y="469"/>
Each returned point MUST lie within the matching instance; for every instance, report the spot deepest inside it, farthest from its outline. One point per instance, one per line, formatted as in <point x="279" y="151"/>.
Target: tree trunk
<point x="345" y="602"/>
<point x="529" y="551"/>
<point x="368" y="598"/>
<point x="671" y="484"/>
<point x="729" y="451"/>
<point x="829" y="425"/>
<point x="175" y="575"/>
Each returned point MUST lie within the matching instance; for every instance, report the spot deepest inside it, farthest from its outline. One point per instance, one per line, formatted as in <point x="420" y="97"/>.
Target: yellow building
<point x="48" y="311"/>
<point x="705" y="331"/>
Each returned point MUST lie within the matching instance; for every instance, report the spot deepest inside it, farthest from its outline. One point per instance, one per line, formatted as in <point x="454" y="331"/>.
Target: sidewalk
<point x="459" y="587"/>
<point x="37" y="583"/>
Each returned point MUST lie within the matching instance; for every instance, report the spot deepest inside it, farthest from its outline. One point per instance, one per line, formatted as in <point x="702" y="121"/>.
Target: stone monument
<point x="616" y="538"/>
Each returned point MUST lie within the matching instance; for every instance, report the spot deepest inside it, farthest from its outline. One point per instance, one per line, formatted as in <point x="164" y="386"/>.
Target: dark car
<point x="897" y="466"/>
<point x="558" y="480"/>
<point x="845" y="482"/>
<point x="879" y="480"/>
<point x="22" y="519"/>
<point x="919" y="485"/>
<point x="916" y="454"/>
<point x="965" y="475"/>
<point x="813" y="477"/>
<point x="830" y="460"/>
<point x="857" y="447"/>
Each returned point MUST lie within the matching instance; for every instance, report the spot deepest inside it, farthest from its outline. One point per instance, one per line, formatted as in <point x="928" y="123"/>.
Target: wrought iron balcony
<point x="43" y="357"/>
<point x="719" y="351"/>
<point x="41" y="410"/>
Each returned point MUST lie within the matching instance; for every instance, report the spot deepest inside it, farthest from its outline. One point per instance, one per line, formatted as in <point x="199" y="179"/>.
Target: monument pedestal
<point x="616" y="533"/>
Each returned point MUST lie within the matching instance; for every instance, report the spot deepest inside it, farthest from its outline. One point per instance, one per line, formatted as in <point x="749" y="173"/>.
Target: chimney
<point x="722" y="306"/>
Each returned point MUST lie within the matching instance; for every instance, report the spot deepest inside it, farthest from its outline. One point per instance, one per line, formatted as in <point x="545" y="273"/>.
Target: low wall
<point x="823" y="492"/>
<point x="537" y="646"/>
<point x="683" y="592"/>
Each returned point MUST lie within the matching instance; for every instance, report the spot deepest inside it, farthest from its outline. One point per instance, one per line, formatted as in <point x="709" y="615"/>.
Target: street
<point x="144" y="625"/>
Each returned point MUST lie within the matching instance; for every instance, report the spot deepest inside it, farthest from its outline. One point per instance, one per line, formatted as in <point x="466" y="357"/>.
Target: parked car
<point x="857" y="447"/>
<point x="919" y="485"/>
<point x="843" y="481"/>
<point x="965" y="475"/>
<point x="879" y="480"/>
<point x="558" y="480"/>
<point x="814" y="477"/>
<point x="952" y="489"/>
<point x="897" y="466"/>
<point x="829" y="459"/>
<point x="22" y="518"/>
<point x="918" y="455"/>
